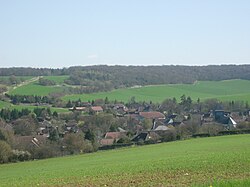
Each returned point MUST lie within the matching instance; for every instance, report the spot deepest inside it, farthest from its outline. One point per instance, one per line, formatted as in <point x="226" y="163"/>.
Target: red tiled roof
<point x="97" y="108"/>
<point x="152" y="115"/>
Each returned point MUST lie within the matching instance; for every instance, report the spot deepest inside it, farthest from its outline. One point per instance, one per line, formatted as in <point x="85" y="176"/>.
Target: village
<point x="141" y="123"/>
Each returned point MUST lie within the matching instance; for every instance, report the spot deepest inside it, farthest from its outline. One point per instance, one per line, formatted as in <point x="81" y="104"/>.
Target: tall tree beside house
<point x="186" y="102"/>
<point x="89" y="135"/>
<point x="74" y="143"/>
<point x="170" y="106"/>
<point x="54" y="134"/>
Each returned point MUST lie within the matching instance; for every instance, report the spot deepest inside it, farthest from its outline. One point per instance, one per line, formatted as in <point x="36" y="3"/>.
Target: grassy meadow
<point x="34" y="88"/>
<point x="216" y="161"/>
<point x="4" y="104"/>
<point x="223" y="90"/>
<point x="228" y="90"/>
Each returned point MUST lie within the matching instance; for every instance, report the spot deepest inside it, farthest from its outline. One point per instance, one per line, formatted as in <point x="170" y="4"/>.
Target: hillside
<point x="237" y="90"/>
<point x="33" y="88"/>
<point x="216" y="160"/>
<point x="227" y="90"/>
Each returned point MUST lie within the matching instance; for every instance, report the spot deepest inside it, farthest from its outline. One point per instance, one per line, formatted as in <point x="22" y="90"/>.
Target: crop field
<point x="35" y="89"/>
<point x="216" y="161"/>
<point x="223" y="90"/>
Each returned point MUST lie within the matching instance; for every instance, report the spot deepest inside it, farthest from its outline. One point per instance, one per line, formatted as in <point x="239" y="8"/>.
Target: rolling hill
<point x="221" y="161"/>
<point x="223" y="90"/>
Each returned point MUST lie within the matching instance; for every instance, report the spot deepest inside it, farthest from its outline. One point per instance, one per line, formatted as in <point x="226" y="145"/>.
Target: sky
<point x="63" y="33"/>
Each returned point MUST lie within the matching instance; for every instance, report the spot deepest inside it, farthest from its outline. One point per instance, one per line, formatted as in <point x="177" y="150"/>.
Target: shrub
<point x="20" y="156"/>
<point x="169" y="135"/>
<point x="5" y="152"/>
<point x="47" y="151"/>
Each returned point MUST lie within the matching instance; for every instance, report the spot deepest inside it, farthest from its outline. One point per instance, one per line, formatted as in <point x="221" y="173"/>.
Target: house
<point x="120" y="109"/>
<point x="29" y="141"/>
<point x="96" y="109"/>
<point x="77" y="108"/>
<point x="146" y="136"/>
<point x="231" y="122"/>
<point x="161" y="128"/>
<point x="44" y="128"/>
<point x="120" y="106"/>
<point x="71" y="126"/>
<point x="112" y="137"/>
<point x="225" y="118"/>
<point x="152" y="115"/>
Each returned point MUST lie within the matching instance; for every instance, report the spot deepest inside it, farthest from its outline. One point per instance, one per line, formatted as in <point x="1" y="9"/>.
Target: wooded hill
<point x="104" y="78"/>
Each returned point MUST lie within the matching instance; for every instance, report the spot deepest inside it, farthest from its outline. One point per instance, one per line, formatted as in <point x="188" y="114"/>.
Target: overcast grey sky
<point x="62" y="33"/>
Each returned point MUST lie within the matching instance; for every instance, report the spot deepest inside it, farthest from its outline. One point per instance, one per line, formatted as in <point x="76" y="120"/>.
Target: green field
<point x="58" y="79"/>
<point x="4" y="104"/>
<point x="205" y="161"/>
<point x="34" y="88"/>
<point x="224" y="90"/>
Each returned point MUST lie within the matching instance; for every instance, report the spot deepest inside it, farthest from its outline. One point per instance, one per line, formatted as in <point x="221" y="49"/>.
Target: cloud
<point x="92" y="56"/>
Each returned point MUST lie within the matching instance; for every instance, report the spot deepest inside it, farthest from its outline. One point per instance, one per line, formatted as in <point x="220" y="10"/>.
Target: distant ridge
<point x="127" y="76"/>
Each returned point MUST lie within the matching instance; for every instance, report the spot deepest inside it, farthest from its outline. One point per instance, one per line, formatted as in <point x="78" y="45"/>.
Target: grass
<point x="223" y="90"/>
<point x="35" y="89"/>
<point x="58" y="79"/>
<point x="4" y="104"/>
<point x="216" y="160"/>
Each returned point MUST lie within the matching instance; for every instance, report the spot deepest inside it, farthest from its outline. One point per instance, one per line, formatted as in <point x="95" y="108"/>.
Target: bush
<point x="20" y="156"/>
<point x="47" y="151"/>
<point x="24" y="126"/>
<point x="46" y="82"/>
<point x="5" y="152"/>
<point x="6" y="135"/>
<point x="75" y="143"/>
<point x="169" y="135"/>
<point x="201" y="135"/>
